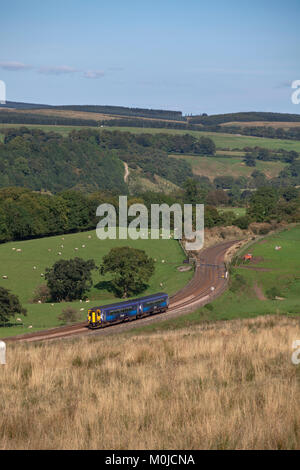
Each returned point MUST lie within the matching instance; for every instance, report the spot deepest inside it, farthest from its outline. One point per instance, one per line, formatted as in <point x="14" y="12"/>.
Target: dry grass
<point x="225" y="385"/>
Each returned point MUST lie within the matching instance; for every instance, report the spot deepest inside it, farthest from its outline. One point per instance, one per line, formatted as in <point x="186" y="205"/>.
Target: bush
<point x="69" y="315"/>
<point x="41" y="293"/>
<point x="273" y="292"/>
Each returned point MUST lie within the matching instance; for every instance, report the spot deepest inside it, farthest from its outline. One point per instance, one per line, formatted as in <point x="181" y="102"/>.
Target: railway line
<point x="208" y="282"/>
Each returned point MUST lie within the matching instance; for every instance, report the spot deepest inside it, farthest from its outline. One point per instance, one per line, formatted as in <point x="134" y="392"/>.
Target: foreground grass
<point x="229" y="385"/>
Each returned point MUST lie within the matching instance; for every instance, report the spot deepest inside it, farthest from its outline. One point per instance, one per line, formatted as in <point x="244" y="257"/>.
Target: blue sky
<point x="195" y="56"/>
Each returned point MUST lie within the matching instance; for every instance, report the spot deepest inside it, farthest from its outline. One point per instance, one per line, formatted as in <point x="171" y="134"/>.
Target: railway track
<point x="208" y="283"/>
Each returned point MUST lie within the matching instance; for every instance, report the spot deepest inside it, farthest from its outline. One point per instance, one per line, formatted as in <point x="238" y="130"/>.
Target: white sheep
<point x="162" y="260"/>
<point x="90" y="236"/>
<point x="83" y="246"/>
<point x="34" y="267"/>
<point x="42" y="275"/>
<point x="161" y="284"/>
<point x="30" y="326"/>
<point x="49" y="249"/>
<point x="4" y="277"/>
<point x="82" y="309"/>
<point x="63" y="238"/>
<point x="19" y="250"/>
<point x="59" y="253"/>
<point x="61" y="246"/>
<point x="87" y="300"/>
<point x="13" y="249"/>
<point x="19" y="319"/>
<point x="76" y="249"/>
<point x="39" y="301"/>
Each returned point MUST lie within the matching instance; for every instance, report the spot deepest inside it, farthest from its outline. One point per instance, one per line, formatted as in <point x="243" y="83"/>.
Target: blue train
<point x="127" y="310"/>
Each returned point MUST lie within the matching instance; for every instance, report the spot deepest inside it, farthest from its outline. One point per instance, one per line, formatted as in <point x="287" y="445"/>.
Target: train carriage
<point x="127" y="310"/>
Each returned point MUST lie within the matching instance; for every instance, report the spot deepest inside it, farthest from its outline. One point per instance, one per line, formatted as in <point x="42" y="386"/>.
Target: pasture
<point x="247" y="299"/>
<point x="222" y="140"/>
<point x="22" y="279"/>
<point x="229" y="166"/>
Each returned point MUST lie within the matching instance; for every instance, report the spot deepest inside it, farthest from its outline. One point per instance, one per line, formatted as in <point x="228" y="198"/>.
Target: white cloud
<point x="94" y="74"/>
<point x="14" y="66"/>
<point x="57" y="70"/>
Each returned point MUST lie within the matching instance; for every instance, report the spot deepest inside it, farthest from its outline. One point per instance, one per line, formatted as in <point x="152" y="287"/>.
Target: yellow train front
<point x="94" y="318"/>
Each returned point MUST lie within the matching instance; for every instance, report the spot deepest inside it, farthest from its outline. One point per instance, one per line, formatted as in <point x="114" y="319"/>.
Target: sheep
<point x="49" y="249"/>
<point x="30" y="326"/>
<point x="87" y="300"/>
<point x="162" y="260"/>
<point x="76" y="249"/>
<point x="39" y="301"/>
<point x="83" y="246"/>
<point x="19" y="319"/>
<point x="90" y="236"/>
<point x="63" y="238"/>
<point x="4" y="277"/>
<point x="13" y="249"/>
<point x="19" y="250"/>
<point x="161" y="284"/>
<point x="61" y="246"/>
<point x="59" y="253"/>
<point x="82" y="309"/>
<point x="34" y="267"/>
<point x="42" y="275"/>
<point x="52" y="305"/>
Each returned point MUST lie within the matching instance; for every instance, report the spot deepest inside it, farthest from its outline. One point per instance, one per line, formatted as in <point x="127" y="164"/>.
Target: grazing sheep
<point x="63" y="238"/>
<point x="61" y="246"/>
<point x="39" y="301"/>
<point x="30" y="326"/>
<point x="18" y="250"/>
<point x="76" y="249"/>
<point x="52" y="305"/>
<point x="161" y="284"/>
<point x="59" y="253"/>
<point x="87" y="300"/>
<point x="42" y="275"/>
<point x="82" y="309"/>
<point x="90" y="236"/>
<point x="13" y="249"/>
<point x="34" y="267"/>
<point x="80" y="301"/>
<point x="83" y="246"/>
<point x="4" y="277"/>
<point x="49" y="249"/>
<point x="162" y="260"/>
<point x="19" y="319"/>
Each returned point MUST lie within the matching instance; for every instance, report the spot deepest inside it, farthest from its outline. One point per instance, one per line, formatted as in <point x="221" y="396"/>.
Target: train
<point x="127" y="310"/>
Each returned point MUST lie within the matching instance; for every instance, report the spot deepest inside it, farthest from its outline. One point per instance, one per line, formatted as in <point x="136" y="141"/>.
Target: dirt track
<point x="208" y="283"/>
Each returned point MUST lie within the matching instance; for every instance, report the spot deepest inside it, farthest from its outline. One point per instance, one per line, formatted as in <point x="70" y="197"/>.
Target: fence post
<point x="2" y="353"/>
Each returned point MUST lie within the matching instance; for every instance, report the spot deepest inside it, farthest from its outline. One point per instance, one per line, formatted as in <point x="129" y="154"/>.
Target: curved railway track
<point x="207" y="283"/>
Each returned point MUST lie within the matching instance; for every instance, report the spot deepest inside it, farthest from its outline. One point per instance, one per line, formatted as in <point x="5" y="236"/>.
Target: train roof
<point x="132" y="301"/>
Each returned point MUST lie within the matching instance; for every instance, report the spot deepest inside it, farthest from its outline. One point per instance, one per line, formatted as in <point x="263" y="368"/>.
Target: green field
<point x="282" y="271"/>
<point x="229" y="166"/>
<point x="23" y="279"/>
<point x="238" y="211"/>
<point x="222" y="140"/>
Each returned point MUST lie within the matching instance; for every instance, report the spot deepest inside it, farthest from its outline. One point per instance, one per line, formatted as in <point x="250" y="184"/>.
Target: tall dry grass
<point x="224" y="385"/>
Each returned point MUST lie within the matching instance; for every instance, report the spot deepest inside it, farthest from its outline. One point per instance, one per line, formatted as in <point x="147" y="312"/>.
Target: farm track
<point x="209" y="273"/>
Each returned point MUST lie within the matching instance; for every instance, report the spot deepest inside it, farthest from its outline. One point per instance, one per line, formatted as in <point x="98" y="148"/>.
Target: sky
<point x="192" y="56"/>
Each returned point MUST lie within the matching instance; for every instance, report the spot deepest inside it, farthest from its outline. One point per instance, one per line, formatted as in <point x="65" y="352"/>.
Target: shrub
<point x="69" y="315"/>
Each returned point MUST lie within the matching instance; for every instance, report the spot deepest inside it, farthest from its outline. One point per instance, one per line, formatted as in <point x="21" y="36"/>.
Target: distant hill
<point x="217" y="119"/>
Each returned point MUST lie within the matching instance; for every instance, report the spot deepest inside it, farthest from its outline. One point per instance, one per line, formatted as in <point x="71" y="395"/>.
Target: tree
<point x="9" y="305"/>
<point x="250" y="159"/>
<point x="69" y="279"/>
<point x="263" y="204"/>
<point x="131" y="268"/>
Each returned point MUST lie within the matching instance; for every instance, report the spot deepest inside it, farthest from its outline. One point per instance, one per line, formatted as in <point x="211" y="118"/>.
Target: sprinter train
<point x="127" y="310"/>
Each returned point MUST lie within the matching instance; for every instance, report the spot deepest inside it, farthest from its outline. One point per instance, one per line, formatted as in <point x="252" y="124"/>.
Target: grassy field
<point x="270" y="268"/>
<point x="230" y="166"/>
<point x="238" y="211"/>
<point x="222" y="140"/>
<point x="23" y="278"/>
<point x="227" y="385"/>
